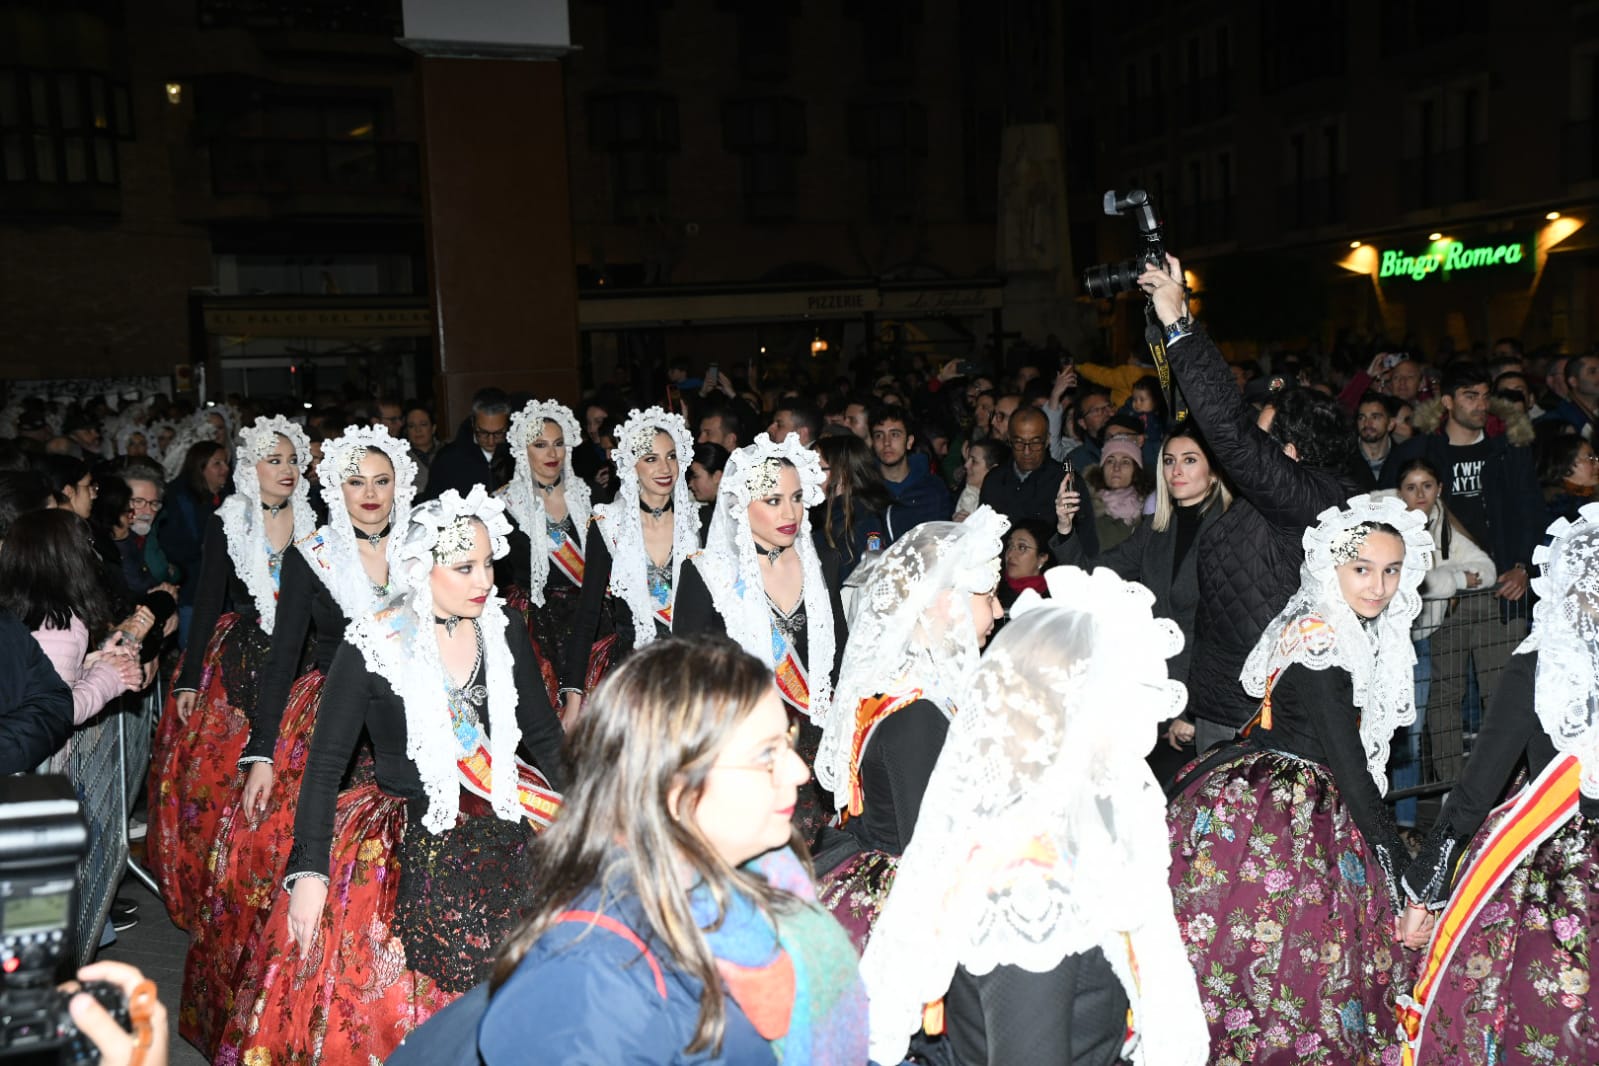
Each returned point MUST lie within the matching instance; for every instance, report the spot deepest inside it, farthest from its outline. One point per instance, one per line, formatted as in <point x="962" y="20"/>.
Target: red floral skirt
<point x="246" y="865"/>
<point x="358" y="992"/>
<point x="194" y="772"/>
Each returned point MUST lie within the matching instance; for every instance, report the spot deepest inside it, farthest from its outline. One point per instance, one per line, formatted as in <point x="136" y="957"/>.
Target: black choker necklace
<point x="449" y="623"/>
<point x="375" y="539"/>
<point x="272" y="509"/>
<point x="654" y="512"/>
<point x="772" y="554"/>
<point x="551" y="487"/>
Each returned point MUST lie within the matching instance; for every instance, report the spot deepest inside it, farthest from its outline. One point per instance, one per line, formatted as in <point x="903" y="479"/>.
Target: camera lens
<point x="1108" y="279"/>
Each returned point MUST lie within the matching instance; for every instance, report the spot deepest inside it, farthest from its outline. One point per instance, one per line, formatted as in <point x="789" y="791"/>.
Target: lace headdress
<point x="1565" y="634"/>
<point x="401" y="645"/>
<point x="1319" y="630"/>
<point x="189" y="432"/>
<point x="344" y="575"/>
<point x="623" y="528"/>
<point x="243" y="520"/>
<point x="1043" y="831"/>
<point x="732" y="572"/>
<point x="526" y="503"/>
<point x="124" y="430"/>
<point x="902" y="637"/>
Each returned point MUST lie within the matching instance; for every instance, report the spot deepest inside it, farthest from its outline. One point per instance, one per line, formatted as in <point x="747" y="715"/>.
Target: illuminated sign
<point x="1446" y="256"/>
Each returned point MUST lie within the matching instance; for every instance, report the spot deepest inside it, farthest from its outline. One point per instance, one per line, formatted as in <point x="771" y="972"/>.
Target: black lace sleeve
<point x="1507" y="728"/>
<point x="297" y="587"/>
<point x="216" y="574"/>
<point x="1328" y="701"/>
<point x="590" y="607"/>
<point x="542" y="735"/>
<point x="343" y="712"/>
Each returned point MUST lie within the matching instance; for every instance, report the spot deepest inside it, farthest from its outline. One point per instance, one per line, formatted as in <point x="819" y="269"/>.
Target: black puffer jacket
<point x="1249" y="557"/>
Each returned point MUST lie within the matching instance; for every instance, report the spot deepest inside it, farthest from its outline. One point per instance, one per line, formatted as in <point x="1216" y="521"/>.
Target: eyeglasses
<point x="770" y="764"/>
<point x="139" y="502"/>
<point x="1031" y="444"/>
<point x="489" y="434"/>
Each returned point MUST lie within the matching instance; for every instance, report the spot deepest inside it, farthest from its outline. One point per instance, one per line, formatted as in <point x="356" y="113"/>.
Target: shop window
<point x="892" y="137"/>
<point x="639" y="132"/>
<point x="61" y="127"/>
<point x="769" y="135"/>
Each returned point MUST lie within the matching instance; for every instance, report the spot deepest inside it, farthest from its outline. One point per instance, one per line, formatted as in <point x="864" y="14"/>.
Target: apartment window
<point x="890" y="32"/>
<point x="1313" y="187"/>
<point x="639" y="132"/>
<point x="1303" y="42"/>
<point x="769" y="136"/>
<point x="1579" y="155"/>
<point x="1206" y="212"/>
<point x="1407" y="25"/>
<point x="1206" y="75"/>
<point x="633" y="37"/>
<point x="1444" y="154"/>
<point x="892" y="137"/>
<point x="1144" y="98"/>
<point x="765" y="47"/>
<point x="61" y="127"/>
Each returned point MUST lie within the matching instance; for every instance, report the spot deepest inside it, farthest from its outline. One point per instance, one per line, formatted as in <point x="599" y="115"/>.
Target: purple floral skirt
<point x="1286" y="920"/>
<point x="1519" y="988"/>
<point x="855" y="891"/>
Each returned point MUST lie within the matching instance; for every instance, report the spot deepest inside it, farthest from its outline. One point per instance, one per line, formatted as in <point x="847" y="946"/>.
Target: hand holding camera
<point x="1167" y="293"/>
<point x="118" y="1012"/>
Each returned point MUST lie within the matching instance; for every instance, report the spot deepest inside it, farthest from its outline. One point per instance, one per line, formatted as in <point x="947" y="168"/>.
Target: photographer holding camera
<point x="147" y="1044"/>
<point x="1283" y="475"/>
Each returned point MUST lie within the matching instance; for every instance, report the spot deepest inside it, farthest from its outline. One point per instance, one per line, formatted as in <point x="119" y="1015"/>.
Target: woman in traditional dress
<point x="400" y="893"/>
<point x="1508" y="975"/>
<point x="676" y="844"/>
<point x="759" y="580"/>
<point x="926" y="610"/>
<point x="1030" y="920"/>
<point x="1285" y="858"/>
<point x="205" y="724"/>
<point x="630" y="576"/>
<point x="340" y="573"/>
<point x="549" y="505"/>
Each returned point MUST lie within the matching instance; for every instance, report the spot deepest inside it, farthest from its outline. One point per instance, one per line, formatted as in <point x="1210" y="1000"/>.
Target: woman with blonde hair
<point x="674" y="919"/>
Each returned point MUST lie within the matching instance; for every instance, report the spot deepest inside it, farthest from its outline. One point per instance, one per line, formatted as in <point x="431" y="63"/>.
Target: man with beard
<point x="144" y="564"/>
<point x="1374" y="420"/>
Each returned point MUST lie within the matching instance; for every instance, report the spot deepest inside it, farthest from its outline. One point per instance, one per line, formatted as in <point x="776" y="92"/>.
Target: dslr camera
<point x="43" y="838"/>
<point x="1105" y="280"/>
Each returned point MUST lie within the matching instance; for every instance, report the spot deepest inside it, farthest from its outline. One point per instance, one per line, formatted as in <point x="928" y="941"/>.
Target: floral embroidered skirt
<point x="194" y="773"/>
<point x="855" y="891"/>
<point x="393" y="947"/>
<point x="247" y="864"/>
<point x="1286" y="920"/>
<point x="1519" y="987"/>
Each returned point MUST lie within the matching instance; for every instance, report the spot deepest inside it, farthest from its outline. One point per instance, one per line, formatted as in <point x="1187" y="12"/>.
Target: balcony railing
<point x="1312" y="203"/>
<point x="265" y="166"/>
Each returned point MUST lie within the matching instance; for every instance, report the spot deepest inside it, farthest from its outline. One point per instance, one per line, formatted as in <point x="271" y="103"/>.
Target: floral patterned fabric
<point x="1286" y="920"/>
<point x="1519" y="988"/>
<point x="353" y="997"/>
<point x="247" y="865"/>
<point x="194" y="770"/>
<point x="855" y="891"/>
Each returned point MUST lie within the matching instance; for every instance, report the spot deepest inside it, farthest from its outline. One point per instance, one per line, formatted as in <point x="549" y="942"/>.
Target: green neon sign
<point x="1445" y="257"/>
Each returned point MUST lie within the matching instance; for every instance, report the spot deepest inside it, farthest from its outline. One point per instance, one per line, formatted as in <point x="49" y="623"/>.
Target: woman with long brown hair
<point x="674" y="919"/>
<point x="856" y="505"/>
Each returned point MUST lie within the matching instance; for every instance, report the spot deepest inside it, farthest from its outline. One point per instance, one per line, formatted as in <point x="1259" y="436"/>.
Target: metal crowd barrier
<point x="106" y="760"/>
<point x="1462" y="645"/>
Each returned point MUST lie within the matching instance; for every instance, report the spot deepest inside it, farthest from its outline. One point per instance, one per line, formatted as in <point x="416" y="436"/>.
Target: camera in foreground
<point x="43" y="838"/>
<point x="1105" y="280"/>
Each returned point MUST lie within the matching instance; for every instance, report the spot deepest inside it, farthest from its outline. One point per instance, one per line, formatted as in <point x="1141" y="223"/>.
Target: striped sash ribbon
<point x="539" y="801"/>
<point x="565" y="555"/>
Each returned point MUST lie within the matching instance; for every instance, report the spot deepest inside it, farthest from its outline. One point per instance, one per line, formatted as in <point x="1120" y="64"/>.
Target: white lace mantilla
<point x="334" y="553"/>
<point x="913" y="627"/>
<point x="1565" y="634"/>
<point x="1377" y="654"/>
<point x="732" y="570"/>
<point x="1043" y="831"/>
<point x="623" y="528"/>
<point x="243" y="520"/>
<point x="526" y="502"/>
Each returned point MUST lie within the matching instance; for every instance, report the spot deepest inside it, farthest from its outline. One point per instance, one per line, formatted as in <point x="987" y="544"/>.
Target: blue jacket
<point x="587" y="995"/>
<point x="921" y="497"/>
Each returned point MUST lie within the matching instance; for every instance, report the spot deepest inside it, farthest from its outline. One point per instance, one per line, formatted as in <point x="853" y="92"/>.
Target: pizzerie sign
<point x="1446" y="257"/>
